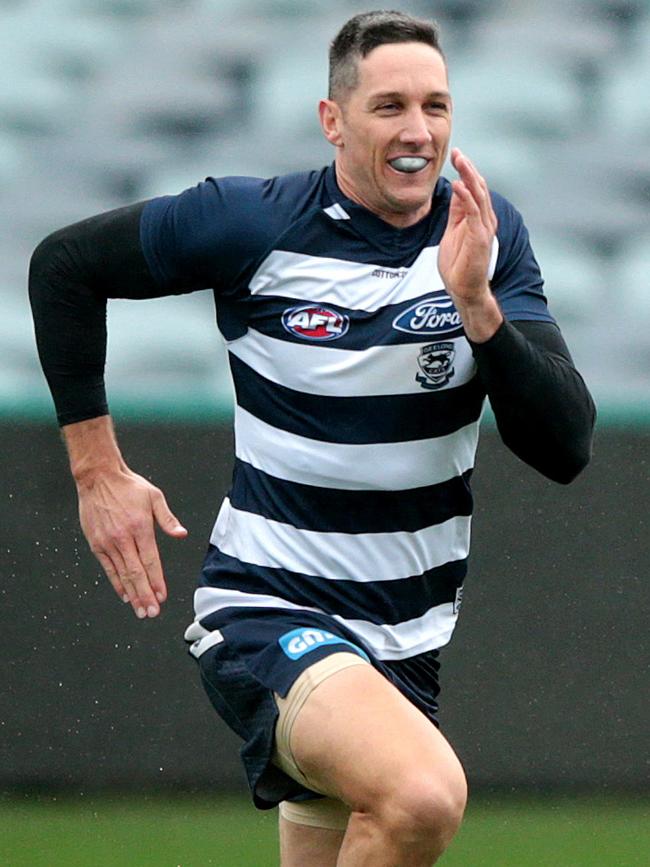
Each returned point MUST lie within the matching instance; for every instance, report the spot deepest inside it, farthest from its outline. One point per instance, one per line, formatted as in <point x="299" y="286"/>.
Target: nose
<point x="416" y="130"/>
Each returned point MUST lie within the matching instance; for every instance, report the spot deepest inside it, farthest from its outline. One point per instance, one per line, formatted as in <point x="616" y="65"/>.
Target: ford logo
<point x="429" y="317"/>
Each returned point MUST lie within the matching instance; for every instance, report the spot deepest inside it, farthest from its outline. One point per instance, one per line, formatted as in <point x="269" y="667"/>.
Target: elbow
<point x="579" y="458"/>
<point x="559" y="459"/>
<point x="580" y="447"/>
<point x="572" y="458"/>
<point x="562" y="469"/>
<point x="573" y="465"/>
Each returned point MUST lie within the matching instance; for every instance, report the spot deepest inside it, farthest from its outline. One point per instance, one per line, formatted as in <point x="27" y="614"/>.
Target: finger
<point x="477" y="185"/>
<point x="136" y="581"/>
<point x="470" y="175"/>
<point x="114" y="555"/>
<point x="465" y="202"/>
<point x="150" y="559"/>
<point x="111" y="573"/>
<point x="166" y="519"/>
<point x="487" y="210"/>
<point x="460" y="162"/>
<point x="137" y="576"/>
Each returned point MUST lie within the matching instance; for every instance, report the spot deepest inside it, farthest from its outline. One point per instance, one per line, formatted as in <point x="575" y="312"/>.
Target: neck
<point x="398" y="219"/>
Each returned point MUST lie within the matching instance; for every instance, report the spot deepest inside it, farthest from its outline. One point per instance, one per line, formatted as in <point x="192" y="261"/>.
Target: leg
<point x="302" y="845"/>
<point x="357" y="739"/>
<point x="311" y="832"/>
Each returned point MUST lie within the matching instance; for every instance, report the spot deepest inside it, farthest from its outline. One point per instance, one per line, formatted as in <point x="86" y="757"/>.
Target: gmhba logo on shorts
<point x="313" y="322"/>
<point x="430" y="316"/>
<point x="300" y="641"/>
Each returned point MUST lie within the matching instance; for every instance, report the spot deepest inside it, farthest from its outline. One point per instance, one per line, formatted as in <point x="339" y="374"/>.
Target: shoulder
<point x="224" y="223"/>
<point x="517" y="280"/>
<point x="510" y="221"/>
<point x="512" y="234"/>
<point x="248" y="199"/>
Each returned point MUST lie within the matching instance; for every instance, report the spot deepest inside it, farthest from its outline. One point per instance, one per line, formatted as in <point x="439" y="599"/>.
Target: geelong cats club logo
<point x="313" y="322"/>
<point x="436" y="362"/>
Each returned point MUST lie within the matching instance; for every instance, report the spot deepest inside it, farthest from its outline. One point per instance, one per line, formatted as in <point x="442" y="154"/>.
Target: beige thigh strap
<point x="321" y="813"/>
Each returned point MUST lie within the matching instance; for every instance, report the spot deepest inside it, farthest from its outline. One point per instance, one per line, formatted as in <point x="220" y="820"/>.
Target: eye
<point x="438" y="107"/>
<point x="388" y="108"/>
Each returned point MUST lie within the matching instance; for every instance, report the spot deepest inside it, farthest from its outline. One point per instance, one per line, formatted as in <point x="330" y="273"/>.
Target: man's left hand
<point x="465" y="250"/>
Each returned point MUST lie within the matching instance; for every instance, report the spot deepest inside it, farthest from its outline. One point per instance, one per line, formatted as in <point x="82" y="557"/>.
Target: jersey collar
<point x="381" y="232"/>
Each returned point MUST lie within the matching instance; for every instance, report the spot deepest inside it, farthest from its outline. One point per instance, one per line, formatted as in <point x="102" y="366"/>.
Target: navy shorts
<point x="262" y="653"/>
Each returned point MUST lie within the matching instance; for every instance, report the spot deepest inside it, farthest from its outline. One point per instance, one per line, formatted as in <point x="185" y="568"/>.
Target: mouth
<point x="408" y="165"/>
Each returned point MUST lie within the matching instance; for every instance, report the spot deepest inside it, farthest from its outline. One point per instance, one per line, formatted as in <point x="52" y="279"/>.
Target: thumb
<point x="167" y="521"/>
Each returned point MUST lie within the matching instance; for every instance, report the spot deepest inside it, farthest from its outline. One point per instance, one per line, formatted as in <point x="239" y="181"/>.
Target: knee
<point x="426" y="811"/>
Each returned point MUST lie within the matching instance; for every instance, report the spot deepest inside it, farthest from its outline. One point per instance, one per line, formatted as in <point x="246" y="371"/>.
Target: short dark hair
<point x="358" y="36"/>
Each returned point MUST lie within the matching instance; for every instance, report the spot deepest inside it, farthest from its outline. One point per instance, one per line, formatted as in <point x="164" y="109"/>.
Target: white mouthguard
<point x="408" y="164"/>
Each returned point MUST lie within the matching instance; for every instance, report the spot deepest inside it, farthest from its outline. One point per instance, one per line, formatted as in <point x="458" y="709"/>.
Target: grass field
<point x="193" y="832"/>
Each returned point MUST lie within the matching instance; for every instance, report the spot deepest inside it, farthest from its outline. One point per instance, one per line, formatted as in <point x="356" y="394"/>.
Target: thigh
<point x="358" y="739"/>
<point x="288" y="709"/>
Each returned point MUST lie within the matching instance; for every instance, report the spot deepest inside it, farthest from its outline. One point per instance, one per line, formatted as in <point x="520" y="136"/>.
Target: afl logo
<point x="313" y="322"/>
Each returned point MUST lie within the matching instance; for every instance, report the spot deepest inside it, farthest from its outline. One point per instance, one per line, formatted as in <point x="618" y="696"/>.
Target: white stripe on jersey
<point x="337" y="212"/>
<point x="376" y="466"/>
<point x="401" y="640"/>
<point x="379" y="370"/>
<point x="387" y="641"/>
<point x="210" y="599"/>
<point x="349" y="284"/>
<point x="494" y="255"/>
<point x="362" y="557"/>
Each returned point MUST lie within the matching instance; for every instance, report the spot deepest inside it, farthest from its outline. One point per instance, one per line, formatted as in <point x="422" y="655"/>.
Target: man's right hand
<point x="118" y="510"/>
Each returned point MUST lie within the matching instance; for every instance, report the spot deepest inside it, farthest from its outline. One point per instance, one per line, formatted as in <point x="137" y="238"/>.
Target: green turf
<point x="194" y="832"/>
<point x="560" y="832"/>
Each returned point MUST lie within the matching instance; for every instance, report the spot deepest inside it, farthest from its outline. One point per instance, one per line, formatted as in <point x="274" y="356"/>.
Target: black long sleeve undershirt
<point x="542" y="407"/>
<point x="543" y="410"/>
<point x="72" y="274"/>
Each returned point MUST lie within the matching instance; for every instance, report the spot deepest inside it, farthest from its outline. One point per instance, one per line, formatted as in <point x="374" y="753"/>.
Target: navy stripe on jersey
<point x="380" y="602"/>
<point x="357" y="420"/>
<point x="329" y="510"/>
<point x="418" y="320"/>
<point x="365" y="238"/>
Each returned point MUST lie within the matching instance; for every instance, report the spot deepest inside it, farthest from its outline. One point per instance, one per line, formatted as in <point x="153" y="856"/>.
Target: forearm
<point x="543" y="409"/>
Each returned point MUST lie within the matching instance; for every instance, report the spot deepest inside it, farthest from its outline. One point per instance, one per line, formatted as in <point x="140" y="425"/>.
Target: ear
<point x="330" y="121"/>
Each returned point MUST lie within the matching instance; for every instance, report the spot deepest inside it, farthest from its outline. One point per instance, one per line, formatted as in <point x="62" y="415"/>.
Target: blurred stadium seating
<point x="103" y="102"/>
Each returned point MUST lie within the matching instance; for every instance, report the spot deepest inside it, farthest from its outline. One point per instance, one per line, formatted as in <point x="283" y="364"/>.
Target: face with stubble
<point x="392" y="131"/>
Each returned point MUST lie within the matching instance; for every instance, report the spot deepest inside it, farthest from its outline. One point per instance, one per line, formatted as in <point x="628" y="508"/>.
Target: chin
<point x="410" y="204"/>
